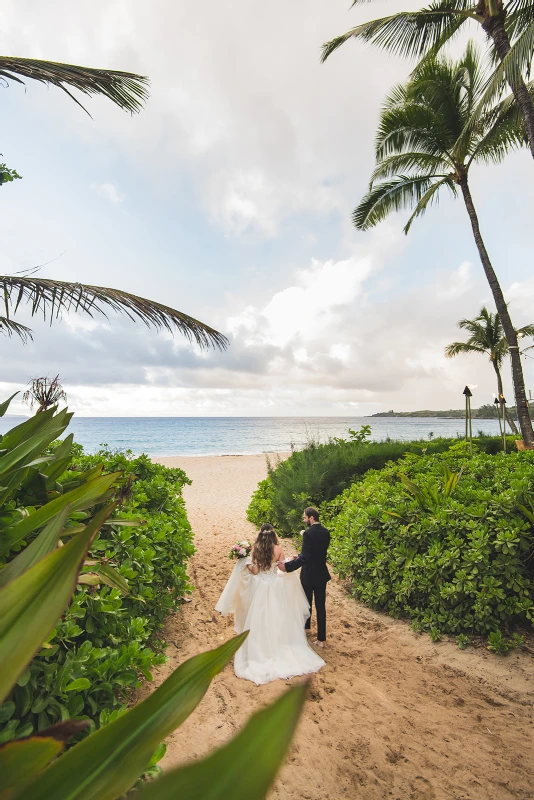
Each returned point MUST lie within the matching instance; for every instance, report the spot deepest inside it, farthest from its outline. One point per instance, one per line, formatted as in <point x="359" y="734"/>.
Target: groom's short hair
<point x="312" y="512"/>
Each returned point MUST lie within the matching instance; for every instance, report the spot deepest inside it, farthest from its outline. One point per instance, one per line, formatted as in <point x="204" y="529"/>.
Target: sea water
<point x="200" y="436"/>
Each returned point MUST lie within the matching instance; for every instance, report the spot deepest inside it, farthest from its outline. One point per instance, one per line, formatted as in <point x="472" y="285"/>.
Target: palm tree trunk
<point x="523" y="416"/>
<point x="500" y="393"/>
<point x="494" y="27"/>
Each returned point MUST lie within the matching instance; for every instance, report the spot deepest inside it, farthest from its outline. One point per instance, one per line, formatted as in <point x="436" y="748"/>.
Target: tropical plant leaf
<point x="84" y="496"/>
<point x="20" y="433"/>
<point x="527" y="512"/>
<point x="51" y="297"/>
<point x="31" y="604"/>
<point x="243" y="769"/>
<point x="23" y="758"/>
<point x="5" y="405"/>
<point x="410" y="33"/>
<point x="106" y="764"/>
<point x="112" y="578"/>
<point x="40" y="547"/>
<point x="10" y="327"/>
<point x="125" y="89"/>
<point x="393" y="195"/>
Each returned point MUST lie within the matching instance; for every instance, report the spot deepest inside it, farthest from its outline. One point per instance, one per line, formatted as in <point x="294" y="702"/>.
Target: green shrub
<point x="446" y="540"/>
<point x="320" y="472"/>
<point x="36" y="587"/>
<point x="106" y="639"/>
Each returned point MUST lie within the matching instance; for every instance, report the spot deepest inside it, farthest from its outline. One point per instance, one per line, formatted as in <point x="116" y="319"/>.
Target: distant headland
<point x="484" y="412"/>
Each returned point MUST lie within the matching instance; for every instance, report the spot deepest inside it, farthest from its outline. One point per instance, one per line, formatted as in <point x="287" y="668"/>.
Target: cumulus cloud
<point x="328" y="343"/>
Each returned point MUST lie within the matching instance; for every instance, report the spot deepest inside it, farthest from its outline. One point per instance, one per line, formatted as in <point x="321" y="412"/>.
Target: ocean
<point x="206" y="436"/>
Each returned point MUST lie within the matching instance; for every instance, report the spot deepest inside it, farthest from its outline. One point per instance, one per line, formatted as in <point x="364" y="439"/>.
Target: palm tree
<point x="128" y="91"/>
<point x="508" y="24"/>
<point x="487" y="336"/>
<point x="426" y="141"/>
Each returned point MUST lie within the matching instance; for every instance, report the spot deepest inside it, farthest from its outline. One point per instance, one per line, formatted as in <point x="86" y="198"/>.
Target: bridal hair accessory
<point x="267" y="528"/>
<point x="240" y="550"/>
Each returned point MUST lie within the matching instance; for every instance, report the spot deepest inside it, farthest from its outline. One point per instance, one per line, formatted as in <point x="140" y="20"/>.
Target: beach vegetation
<point x="320" y="472"/>
<point x="445" y="540"/>
<point x="134" y="576"/>
<point x="70" y="649"/>
<point x="428" y="139"/>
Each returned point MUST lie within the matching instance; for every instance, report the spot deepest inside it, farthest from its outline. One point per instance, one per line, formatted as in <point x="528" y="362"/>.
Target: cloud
<point x="109" y="191"/>
<point x="305" y="311"/>
<point x="261" y="128"/>
<point x="330" y="342"/>
<point x="241" y="173"/>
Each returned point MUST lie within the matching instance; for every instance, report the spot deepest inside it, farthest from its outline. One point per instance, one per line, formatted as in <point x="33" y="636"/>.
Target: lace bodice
<point x="267" y="574"/>
<point x="273" y="569"/>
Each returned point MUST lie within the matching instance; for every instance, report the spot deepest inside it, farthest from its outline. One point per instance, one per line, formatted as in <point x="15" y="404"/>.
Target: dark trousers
<point x="319" y="593"/>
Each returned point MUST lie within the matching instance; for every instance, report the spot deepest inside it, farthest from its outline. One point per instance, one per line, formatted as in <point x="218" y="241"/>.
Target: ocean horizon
<point x="217" y="436"/>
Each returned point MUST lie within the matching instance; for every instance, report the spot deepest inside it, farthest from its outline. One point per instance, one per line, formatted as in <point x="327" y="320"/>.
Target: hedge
<point x="107" y="641"/>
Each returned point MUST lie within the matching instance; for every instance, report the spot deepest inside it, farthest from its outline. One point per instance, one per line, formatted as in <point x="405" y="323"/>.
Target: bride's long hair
<point x="264" y="547"/>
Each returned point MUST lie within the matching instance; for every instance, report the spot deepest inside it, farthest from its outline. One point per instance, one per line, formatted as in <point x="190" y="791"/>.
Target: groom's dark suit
<point x="314" y="575"/>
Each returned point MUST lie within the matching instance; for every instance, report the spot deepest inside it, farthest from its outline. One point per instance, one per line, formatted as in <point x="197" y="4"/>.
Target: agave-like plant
<point x="507" y="24"/>
<point x="45" y="393"/>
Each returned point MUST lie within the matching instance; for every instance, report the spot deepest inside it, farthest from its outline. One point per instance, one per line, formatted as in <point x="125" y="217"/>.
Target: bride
<point x="272" y="606"/>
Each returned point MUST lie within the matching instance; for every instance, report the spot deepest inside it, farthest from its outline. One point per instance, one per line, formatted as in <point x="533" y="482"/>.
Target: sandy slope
<point x="391" y="715"/>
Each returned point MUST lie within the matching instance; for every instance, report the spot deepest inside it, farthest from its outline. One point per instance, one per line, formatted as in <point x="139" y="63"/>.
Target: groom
<point x="314" y="575"/>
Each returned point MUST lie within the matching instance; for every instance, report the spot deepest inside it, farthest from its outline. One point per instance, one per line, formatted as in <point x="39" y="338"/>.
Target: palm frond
<point x="125" y="89"/>
<point x="526" y="330"/>
<point x="511" y="69"/>
<point x="402" y="192"/>
<point x="456" y="348"/>
<point x="9" y="327"/>
<point x="410" y="33"/>
<point x="430" y="197"/>
<point x="403" y="162"/>
<point x="486" y="336"/>
<point x="51" y="297"/>
<point x="503" y="130"/>
<point x="411" y="125"/>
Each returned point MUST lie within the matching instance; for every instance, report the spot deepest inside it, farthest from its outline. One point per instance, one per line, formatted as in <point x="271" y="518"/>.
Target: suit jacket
<point x="312" y="559"/>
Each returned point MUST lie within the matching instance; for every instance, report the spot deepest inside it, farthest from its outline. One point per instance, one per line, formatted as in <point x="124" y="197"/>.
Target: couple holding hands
<point x="267" y="598"/>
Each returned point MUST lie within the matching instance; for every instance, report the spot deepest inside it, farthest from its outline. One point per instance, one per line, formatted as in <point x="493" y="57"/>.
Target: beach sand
<point x="392" y="715"/>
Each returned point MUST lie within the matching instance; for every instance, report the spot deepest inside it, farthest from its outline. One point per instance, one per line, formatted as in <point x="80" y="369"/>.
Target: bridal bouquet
<point x="240" y="550"/>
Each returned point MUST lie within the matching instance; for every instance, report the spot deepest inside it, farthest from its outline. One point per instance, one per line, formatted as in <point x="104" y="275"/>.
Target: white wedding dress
<point x="272" y="606"/>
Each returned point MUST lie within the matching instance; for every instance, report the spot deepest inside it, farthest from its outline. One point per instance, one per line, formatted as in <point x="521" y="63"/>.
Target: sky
<point x="229" y="197"/>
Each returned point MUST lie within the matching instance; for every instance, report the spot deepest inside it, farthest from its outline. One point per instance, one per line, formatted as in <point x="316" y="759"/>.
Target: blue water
<point x="196" y="436"/>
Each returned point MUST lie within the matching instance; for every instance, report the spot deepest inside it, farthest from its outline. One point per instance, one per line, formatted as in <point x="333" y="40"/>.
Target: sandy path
<point x="390" y="716"/>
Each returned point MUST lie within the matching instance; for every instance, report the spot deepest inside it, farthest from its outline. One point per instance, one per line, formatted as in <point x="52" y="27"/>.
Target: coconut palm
<point x="50" y="297"/>
<point x="508" y="25"/>
<point x="426" y="142"/>
<point x="487" y="337"/>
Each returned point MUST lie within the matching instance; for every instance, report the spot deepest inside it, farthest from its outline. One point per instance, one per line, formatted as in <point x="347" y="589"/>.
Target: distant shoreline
<point x="453" y="413"/>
